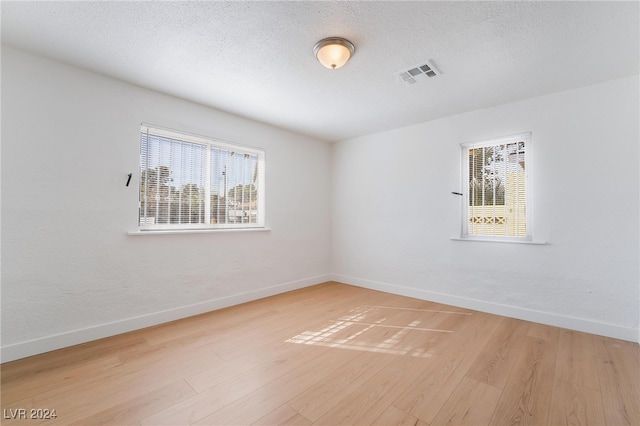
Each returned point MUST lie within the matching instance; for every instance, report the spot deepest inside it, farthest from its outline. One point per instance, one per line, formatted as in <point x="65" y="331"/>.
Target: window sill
<point x="491" y="240"/>
<point x="195" y="231"/>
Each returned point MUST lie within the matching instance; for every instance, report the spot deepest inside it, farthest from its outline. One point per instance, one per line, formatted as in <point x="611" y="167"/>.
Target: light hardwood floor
<point x="333" y="354"/>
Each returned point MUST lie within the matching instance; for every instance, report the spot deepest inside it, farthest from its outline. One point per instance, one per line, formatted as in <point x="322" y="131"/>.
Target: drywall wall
<point x="70" y="271"/>
<point x="394" y="215"/>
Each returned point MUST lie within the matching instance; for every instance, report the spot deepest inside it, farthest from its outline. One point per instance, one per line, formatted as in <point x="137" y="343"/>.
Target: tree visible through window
<point x="497" y="194"/>
<point x="193" y="182"/>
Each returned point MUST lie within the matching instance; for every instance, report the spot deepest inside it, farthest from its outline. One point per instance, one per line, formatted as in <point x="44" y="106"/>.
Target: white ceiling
<point x="255" y="58"/>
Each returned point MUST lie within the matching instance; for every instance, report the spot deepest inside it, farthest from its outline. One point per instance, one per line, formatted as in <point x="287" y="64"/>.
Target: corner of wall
<point x="75" y="337"/>
<point x="552" y="319"/>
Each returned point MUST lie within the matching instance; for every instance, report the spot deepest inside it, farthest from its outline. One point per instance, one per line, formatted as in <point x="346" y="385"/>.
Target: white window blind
<point x="497" y="200"/>
<point x="192" y="182"/>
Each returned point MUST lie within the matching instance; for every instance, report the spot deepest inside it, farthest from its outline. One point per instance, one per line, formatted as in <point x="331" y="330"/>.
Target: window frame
<point x="525" y="137"/>
<point x="211" y="143"/>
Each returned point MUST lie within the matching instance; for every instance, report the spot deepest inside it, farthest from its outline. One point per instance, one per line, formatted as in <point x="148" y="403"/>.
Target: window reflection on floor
<point x="383" y="329"/>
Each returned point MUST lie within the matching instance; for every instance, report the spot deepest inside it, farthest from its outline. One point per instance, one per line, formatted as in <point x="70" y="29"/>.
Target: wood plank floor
<point x="333" y="354"/>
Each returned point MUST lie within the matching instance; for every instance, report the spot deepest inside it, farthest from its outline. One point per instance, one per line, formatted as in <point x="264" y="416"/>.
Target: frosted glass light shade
<point x="333" y="52"/>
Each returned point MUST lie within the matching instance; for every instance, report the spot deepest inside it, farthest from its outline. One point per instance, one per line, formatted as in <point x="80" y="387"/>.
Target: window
<point x="192" y="182"/>
<point x="496" y="202"/>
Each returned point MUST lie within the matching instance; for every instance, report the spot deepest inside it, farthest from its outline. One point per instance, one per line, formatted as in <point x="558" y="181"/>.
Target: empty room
<point x="320" y="213"/>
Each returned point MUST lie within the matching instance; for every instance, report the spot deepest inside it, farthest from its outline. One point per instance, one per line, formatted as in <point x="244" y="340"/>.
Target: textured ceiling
<point x="255" y="58"/>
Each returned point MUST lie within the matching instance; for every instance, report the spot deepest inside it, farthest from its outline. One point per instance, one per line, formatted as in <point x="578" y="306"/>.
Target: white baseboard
<point x="564" y="321"/>
<point x="75" y="337"/>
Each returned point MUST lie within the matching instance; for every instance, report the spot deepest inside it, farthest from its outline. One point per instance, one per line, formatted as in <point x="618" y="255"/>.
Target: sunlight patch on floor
<point x="379" y="329"/>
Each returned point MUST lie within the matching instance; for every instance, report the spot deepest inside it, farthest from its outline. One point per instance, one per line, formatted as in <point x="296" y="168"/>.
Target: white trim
<point x="199" y="139"/>
<point x="75" y="337"/>
<point x="497" y="141"/>
<point x="527" y="137"/>
<point x="211" y="143"/>
<point x="499" y="240"/>
<point x="193" y="231"/>
<point x="548" y="318"/>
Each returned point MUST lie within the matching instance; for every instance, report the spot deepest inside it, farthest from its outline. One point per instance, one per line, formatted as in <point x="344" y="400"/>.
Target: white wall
<point x="70" y="272"/>
<point x="394" y="215"/>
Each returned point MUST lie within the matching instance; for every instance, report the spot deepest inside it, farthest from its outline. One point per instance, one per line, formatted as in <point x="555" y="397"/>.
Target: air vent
<point x="418" y="73"/>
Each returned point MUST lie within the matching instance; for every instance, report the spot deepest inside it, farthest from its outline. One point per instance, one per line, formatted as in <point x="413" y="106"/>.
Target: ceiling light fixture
<point x="333" y="52"/>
